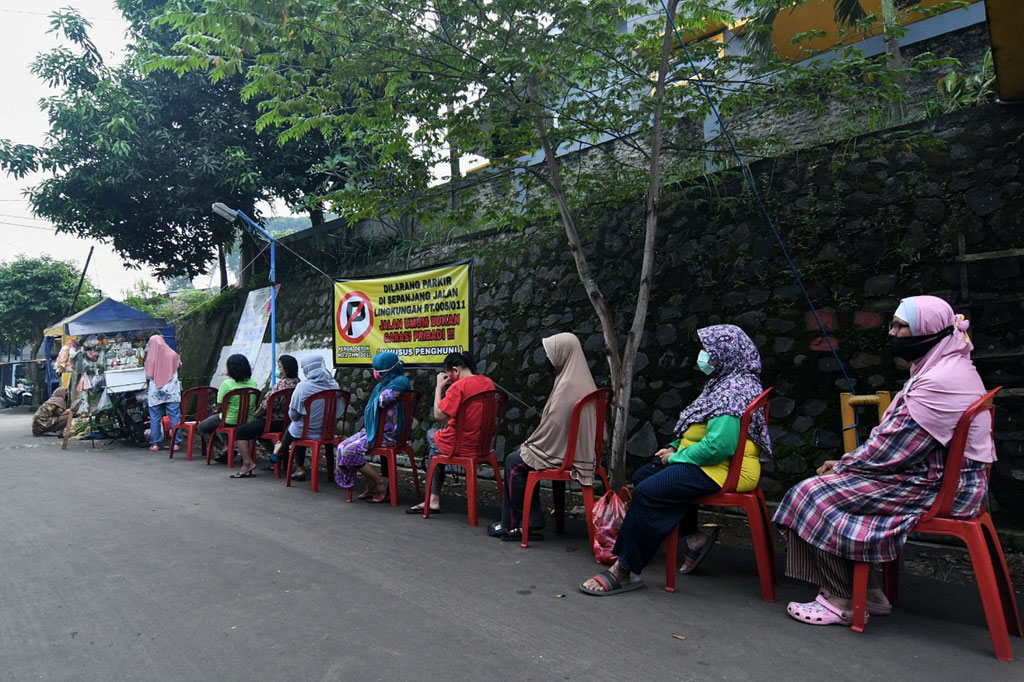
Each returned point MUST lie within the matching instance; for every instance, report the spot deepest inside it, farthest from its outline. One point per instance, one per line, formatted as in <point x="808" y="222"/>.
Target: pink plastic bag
<point x="607" y="518"/>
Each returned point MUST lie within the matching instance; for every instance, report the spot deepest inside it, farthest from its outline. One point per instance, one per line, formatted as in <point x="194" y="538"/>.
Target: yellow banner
<point x="421" y="315"/>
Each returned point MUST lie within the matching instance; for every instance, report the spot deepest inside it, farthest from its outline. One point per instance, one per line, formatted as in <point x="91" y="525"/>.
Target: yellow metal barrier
<point x="848" y="401"/>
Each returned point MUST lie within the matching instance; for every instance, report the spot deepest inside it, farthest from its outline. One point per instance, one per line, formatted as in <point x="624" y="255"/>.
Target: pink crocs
<point x="819" y="612"/>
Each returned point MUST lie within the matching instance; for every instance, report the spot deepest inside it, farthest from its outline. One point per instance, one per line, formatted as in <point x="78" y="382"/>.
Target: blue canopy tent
<point x="105" y="317"/>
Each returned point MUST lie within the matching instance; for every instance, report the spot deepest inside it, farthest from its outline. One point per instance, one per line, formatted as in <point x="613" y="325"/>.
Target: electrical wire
<point x="699" y="80"/>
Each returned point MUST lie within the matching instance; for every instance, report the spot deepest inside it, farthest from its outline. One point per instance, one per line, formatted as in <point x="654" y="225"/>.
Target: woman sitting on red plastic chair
<point x="545" y="447"/>
<point x="317" y="378"/>
<point x="287" y="377"/>
<point x="863" y="506"/>
<point x="389" y="372"/>
<point x="239" y="376"/>
<point x="695" y="465"/>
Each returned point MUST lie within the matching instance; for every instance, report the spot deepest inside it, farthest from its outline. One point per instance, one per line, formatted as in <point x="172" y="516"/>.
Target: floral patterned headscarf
<point x="733" y="385"/>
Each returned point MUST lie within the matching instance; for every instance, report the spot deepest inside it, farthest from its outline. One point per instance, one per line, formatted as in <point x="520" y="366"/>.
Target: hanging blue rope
<point x="757" y="196"/>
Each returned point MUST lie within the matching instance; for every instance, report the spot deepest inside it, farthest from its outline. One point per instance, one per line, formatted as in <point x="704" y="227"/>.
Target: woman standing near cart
<point x="164" y="394"/>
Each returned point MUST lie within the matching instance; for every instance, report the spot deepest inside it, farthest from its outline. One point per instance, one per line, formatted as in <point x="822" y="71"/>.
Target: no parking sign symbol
<point x="354" y="317"/>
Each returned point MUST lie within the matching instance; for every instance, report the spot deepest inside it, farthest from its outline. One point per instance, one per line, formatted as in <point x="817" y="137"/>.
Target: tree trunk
<point x="453" y="182"/>
<point x="893" y="57"/>
<point x="316" y="215"/>
<point x="247" y="248"/>
<point x="36" y="341"/>
<point x="222" y="264"/>
<point x="247" y="254"/>
<point x="554" y="184"/>
<point x="624" y="390"/>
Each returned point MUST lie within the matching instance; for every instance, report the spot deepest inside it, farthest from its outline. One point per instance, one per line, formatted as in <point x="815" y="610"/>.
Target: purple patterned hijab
<point x="735" y="382"/>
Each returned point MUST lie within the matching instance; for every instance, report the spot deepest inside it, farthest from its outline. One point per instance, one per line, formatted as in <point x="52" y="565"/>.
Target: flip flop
<point x="611" y="585"/>
<point x="366" y="494"/>
<point x="418" y="509"/>
<point x="248" y="474"/>
<point x="873" y="608"/>
<point x="694" y="557"/>
<point x="820" y="612"/>
<point x="299" y="477"/>
<point x="380" y="498"/>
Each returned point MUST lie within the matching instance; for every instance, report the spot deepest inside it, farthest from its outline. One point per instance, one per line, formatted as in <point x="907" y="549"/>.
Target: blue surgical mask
<point x="277" y="374"/>
<point x="704" y="362"/>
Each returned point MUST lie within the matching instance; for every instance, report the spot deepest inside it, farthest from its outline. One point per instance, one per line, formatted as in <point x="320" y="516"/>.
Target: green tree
<point x="37" y="292"/>
<point x="515" y="82"/>
<point x="137" y="160"/>
<point x="521" y="83"/>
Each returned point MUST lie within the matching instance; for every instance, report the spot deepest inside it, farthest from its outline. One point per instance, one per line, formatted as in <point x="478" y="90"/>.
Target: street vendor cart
<point x="106" y="364"/>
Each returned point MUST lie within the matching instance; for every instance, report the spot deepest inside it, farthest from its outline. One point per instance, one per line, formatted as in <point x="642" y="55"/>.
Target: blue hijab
<point x="384" y="361"/>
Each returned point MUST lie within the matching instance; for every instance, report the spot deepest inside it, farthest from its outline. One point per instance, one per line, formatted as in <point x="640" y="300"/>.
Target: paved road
<point x="118" y="564"/>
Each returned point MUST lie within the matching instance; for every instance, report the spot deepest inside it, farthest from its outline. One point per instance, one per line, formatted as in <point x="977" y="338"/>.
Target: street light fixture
<point x="230" y="214"/>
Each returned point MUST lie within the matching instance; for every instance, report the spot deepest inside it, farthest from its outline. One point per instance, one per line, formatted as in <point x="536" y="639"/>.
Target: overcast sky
<point x="22" y="36"/>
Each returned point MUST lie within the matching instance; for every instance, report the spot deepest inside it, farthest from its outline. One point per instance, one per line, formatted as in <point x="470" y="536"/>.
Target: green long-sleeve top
<point x="711" y="446"/>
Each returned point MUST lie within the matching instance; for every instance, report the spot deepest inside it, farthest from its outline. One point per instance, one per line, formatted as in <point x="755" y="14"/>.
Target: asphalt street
<point x="120" y="564"/>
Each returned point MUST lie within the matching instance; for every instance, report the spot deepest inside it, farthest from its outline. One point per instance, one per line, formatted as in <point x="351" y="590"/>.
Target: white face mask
<point x="704" y="362"/>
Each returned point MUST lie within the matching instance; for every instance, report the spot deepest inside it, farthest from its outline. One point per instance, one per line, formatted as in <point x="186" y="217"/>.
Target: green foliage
<point x="959" y="92"/>
<point x="37" y="292"/>
<point x="136" y="160"/>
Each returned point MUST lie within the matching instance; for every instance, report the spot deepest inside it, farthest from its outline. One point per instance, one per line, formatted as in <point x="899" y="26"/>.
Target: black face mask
<point x="551" y="367"/>
<point x="911" y="348"/>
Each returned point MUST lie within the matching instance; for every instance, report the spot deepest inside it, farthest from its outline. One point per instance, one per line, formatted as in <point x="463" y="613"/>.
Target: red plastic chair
<point x="492" y="406"/>
<point x="978" y="533"/>
<point x="410" y="401"/>
<point x="248" y="399"/>
<point x="753" y="503"/>
<point x="283" y="395"/>
<point x="327" y="436"/>
<point x="600" y="399"/>
<point x="203" y="396"/>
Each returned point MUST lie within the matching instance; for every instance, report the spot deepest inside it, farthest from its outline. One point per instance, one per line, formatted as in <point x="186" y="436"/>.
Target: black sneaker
<point x="496" y="530"/>
<point x="516" y="535"/>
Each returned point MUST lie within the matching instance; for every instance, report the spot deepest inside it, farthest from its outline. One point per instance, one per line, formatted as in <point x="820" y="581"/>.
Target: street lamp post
<point x="231" y="214"/>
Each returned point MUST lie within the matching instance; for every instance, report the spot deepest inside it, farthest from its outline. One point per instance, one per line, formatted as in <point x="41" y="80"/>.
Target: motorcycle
<point x="127" y="419"/>
<point x="19" y="394"/>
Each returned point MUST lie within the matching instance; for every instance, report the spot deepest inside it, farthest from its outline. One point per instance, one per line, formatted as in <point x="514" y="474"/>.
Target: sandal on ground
<point x="694" y="557"/>
<point x="154" y="448"/>
<point x="244" y="474"/>
<point x="418" y="509"/>
<point x="299" y="477"/>
<point x="380" y="498"/>
<point x="820" y="612"/>
<point x="611" y="585"/>
<point x="366" y="494"/>
<point x="873" y="607"/>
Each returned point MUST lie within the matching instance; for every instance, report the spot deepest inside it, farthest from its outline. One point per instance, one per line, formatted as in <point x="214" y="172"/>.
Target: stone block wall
<point x="866" y="222"/>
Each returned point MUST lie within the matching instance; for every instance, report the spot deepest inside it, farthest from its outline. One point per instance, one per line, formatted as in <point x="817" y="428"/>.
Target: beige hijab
<point x="545" y="448"/>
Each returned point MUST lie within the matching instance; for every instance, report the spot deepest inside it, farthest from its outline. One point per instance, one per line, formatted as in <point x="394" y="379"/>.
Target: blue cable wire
<point x="757" y="195"/>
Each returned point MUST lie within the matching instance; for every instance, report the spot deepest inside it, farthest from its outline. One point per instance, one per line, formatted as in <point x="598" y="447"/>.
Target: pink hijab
<point x="943" y="383"/>
<point x="161" y="361"/>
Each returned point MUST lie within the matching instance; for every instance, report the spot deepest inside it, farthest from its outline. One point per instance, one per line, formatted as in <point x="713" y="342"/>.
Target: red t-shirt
<point x="453" y="397"/>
